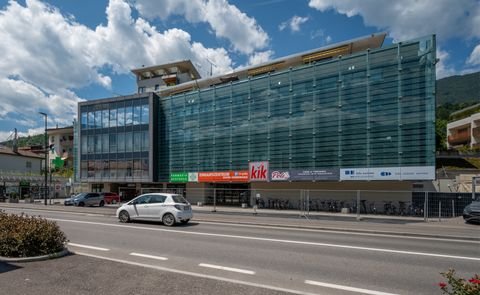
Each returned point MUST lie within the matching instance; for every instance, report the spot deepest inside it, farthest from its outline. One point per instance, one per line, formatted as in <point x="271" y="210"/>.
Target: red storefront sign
<point x="258" y="171"/>
<point x="225" y="176"/>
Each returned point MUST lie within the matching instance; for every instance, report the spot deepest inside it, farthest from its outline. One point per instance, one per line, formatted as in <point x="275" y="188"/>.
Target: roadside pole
<point x="214" y="200"/>
<point x="358" y="205"/>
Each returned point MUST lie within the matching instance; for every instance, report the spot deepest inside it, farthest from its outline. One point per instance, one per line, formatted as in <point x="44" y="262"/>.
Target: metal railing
<point x="385" y="204"/>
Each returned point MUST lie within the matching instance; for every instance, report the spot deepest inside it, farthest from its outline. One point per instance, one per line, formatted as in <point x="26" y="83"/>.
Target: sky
<point x="56" y="53"/>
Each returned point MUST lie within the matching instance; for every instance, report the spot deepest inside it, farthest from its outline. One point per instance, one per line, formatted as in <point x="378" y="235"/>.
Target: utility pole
<point x="46" y="159"/>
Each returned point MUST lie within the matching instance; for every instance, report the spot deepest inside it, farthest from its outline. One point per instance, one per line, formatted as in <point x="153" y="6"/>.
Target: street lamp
<point x="46" y="158"/>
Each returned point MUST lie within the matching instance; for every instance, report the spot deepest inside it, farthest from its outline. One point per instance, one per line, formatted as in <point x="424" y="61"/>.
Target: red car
<point x="111" y="198"/>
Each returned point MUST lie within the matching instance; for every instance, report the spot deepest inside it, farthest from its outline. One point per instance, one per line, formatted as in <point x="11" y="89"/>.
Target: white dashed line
<point x="199" y="275"/>
<point x="148" y="256"/>
<point x="88" y="247"/>
<point x="244" y="271"/>
<point x="346" y="288"/>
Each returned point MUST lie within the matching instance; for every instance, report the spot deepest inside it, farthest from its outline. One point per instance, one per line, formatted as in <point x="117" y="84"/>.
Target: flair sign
<point x="258" y="171"/>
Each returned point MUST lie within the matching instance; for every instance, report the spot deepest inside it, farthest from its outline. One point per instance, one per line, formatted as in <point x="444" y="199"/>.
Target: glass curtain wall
<point x="371" y="109"/>
<point x="115" y="140"/>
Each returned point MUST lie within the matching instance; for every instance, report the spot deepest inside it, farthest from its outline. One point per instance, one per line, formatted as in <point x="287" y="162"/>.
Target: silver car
<point x="167" y="208"/>
<point x="86" y="199"/>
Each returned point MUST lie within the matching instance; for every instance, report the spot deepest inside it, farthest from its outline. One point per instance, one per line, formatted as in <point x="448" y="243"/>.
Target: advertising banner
<point x="280" y="175"/>
<point x="305" y="175"/>
<point x="179" y="177"/>
<point x="225" y="176"/>
<point x="258" y="171"/>
<point x="389" y="173"/>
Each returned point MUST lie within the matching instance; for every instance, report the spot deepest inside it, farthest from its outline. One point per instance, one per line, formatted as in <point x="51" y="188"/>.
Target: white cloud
<point x="474" y="58"/>
<point x="442" y="68"/>
<point x="294" y="23"/>
<point x="320" y="34"/>
<point x="405" y="19"/>
<point x="47" y="55"/>
<point x="226" y="20"/>
<point x="260" y="57"/>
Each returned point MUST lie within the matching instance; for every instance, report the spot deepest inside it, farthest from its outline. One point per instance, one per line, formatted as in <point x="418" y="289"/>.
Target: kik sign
<point x="258" y="171"/>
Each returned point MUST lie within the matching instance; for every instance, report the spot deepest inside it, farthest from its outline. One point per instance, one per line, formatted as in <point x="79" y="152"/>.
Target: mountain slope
<point x="459" y="89"/>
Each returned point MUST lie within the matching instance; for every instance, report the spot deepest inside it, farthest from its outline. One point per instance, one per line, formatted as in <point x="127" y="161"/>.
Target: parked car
<point x="111" y="198"/>
<point x="85" y="199"/>
<point x="471" y="213"/>
<point x="167" y="208"/>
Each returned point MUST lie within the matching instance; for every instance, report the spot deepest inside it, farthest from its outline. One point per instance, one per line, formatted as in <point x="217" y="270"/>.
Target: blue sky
<point x="56" y="53"/>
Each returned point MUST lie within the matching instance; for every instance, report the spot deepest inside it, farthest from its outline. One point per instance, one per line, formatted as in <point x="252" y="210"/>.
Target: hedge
<point x="28" y="236"/>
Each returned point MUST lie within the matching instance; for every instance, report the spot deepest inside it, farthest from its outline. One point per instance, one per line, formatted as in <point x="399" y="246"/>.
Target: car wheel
<point x="168" y="219"/>
<point x="124" y="216"/>
<point x="101" y="203"/>
<point x="81" y="204"/>
<point x="185" y="221"/>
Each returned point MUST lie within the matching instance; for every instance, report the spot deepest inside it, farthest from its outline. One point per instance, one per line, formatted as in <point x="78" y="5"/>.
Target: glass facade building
<point x="367" y="110"/>
<point x="115" y="139"/>
<point x="371" y="109"/>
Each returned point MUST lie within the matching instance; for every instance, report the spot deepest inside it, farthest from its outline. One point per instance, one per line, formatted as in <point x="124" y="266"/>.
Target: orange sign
<point x="226" y="176"/>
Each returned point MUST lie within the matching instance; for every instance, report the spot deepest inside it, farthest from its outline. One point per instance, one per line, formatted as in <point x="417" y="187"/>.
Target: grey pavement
<point x="76" y="274"/>
<point x="392" y="225"/>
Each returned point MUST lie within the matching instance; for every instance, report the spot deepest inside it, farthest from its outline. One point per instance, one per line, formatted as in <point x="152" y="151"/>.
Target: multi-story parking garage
<point x="348" y="116"/>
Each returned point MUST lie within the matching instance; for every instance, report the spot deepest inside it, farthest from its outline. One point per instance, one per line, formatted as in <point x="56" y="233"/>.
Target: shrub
<point x="27" y="236"/>
<point x="459" y="286"/>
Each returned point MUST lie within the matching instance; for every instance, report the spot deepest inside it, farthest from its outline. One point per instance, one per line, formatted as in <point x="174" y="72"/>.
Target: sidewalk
<point x="451" y="228"/>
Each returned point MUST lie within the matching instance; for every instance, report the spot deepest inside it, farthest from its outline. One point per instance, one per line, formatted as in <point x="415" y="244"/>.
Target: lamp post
<point x="46" y="158"/>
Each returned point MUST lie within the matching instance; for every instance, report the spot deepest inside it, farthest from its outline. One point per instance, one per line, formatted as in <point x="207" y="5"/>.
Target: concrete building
<point x="352" y="115"/>
<point x="62" y="141"/>
<point x="465" y="131"/>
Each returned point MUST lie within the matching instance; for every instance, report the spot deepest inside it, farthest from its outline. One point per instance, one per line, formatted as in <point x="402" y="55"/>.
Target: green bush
<point x="27" y="236"/>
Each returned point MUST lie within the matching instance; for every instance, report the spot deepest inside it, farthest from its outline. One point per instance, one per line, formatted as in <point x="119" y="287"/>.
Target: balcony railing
<point x="461" y="138"/>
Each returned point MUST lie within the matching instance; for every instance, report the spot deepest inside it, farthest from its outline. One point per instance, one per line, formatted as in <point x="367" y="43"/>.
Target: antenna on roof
<point x="211" y="66"/>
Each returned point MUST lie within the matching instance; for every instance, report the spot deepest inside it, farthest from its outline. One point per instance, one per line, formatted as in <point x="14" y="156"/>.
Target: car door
<point x="141" y="206"/>
<point x="93" y="199"/>
<point x="88" y="199"/>
<point x="156" y="206"/>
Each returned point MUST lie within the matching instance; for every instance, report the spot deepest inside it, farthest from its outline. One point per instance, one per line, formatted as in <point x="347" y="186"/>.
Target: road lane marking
<point x="198" y="275"/>
<point x="148" y="256"/>
<point x="333" y="230"/>
<point x="346" y="288"/>
<point x="276" y="240"/>
<point x="336" y="231"/>
<point x="88" y="247"/>
<point x="239" y="270"/>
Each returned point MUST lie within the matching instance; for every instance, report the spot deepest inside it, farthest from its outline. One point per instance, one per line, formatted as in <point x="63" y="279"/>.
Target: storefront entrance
<point x="231" y="194"/>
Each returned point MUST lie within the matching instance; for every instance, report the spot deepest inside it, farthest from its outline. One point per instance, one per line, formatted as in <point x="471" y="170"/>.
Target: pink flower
<point x="442" y="285"/>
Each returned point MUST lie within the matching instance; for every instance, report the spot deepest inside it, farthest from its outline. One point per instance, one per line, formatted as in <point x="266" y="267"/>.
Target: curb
<point x="62" y="253"/>
<point x="346" y="230"/>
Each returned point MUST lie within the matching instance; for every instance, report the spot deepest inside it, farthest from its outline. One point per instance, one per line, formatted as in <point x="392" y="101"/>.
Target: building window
<point x="141" y="89"/>
<point x="157" y="87"/>
<point x="29" y="164"/>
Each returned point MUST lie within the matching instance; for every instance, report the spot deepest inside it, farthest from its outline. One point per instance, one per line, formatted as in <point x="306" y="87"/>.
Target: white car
<point x="167" y="208"/>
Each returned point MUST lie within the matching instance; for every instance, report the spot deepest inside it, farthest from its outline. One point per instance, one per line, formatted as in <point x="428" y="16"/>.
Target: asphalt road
<point x="271" y="259"/>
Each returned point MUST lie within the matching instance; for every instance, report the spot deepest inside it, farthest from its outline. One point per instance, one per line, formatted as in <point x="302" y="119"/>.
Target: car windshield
<point x="179" y="199"/>
<point x="80" y="195"/>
